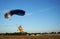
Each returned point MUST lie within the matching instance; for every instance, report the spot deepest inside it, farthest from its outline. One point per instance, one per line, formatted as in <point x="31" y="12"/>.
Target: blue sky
<point x="41" y="15"/>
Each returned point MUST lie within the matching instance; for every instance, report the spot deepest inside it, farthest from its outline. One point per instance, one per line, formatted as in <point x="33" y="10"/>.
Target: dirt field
<point x="31" y="37"/>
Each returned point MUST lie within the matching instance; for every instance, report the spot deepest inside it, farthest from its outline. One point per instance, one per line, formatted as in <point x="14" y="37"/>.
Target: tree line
<point x="25" y="33"/>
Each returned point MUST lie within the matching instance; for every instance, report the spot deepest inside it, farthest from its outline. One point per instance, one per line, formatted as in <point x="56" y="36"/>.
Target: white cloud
<point x="28" y="14"/>
<point x="47" y="9"/>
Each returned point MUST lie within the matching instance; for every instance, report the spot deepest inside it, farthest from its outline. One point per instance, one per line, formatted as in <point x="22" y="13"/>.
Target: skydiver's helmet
<point x="7" y="15"/>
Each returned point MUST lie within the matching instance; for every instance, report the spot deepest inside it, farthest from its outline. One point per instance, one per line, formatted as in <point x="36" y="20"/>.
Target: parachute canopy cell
<point x="12" y="12"/>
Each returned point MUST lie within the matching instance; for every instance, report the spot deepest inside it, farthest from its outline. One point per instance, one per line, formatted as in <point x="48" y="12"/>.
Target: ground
<point x="48" y="36"/>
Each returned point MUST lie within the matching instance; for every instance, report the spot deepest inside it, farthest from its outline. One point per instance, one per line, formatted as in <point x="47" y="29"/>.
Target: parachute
<point x="12" y="12"/>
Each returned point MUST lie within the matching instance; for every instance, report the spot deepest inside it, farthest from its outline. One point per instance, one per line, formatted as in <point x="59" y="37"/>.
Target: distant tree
<point x="29" y="34"/>
<point x="45" y="33"/>
<point x="52" y="32"/>
<point x="58" y="32"/>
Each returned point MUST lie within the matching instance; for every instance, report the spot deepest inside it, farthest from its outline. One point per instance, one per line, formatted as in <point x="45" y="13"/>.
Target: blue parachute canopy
<point x="17" y="12"/>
